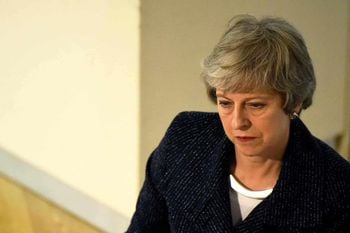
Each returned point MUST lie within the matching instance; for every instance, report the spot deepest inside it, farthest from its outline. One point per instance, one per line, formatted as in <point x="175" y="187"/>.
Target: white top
<point x="247" y="199"/>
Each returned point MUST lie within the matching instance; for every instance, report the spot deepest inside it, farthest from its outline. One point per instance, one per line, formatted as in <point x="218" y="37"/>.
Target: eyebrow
<point x="259" y="96"/>
<point x="250" y="97"/>
<point x="220" y="95"/>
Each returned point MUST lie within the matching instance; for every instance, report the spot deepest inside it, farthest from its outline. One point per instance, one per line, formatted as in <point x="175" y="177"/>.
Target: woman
<point x="254" y="166"/>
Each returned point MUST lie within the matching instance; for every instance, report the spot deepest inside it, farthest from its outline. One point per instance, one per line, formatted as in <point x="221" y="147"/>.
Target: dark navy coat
<point x="186" y="187"/>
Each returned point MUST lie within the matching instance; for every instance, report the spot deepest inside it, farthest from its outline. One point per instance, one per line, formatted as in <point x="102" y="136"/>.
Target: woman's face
<point x="255" y="122"/>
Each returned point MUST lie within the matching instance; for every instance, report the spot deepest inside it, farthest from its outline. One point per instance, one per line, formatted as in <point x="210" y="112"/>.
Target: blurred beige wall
<point x="69" y="93"/>
<point x="345" y="137"/>
<point x="175" y="37"/>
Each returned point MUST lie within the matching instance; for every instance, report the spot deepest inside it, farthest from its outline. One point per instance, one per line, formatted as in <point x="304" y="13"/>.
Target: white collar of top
<point x="246" y="192"/>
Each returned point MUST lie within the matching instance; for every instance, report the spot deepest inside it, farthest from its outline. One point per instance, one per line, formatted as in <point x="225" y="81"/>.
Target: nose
<point x="240" y="119"/>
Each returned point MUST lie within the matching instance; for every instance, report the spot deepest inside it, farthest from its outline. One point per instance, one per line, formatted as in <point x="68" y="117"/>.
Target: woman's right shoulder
<point x="194" y="120"/>
<point x="196" y="114"/>
<point x="187" y="126"/>
<point x="188" y="132"/>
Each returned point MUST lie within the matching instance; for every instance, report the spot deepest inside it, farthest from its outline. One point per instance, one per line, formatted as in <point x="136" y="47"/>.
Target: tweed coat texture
<point x="186" y="188"/>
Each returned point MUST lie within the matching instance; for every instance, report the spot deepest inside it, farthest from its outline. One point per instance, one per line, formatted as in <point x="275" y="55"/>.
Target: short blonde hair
<point x="261" y="54"/>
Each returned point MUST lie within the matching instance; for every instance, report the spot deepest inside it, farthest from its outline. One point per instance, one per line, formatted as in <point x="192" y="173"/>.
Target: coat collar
<point x="295" y="201"/>
<point x="213" y="213"/>
<point x="298" y="194"/>
<point x="198" y="182"/>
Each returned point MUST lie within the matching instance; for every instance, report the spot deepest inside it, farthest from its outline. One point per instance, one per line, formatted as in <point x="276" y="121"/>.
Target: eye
<point x="256" y="105"/>
<point x="225" y="103"/>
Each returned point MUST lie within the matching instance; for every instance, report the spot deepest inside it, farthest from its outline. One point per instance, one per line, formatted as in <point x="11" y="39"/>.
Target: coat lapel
<point x="297" y="197"/>
<point x="203" y="190"/>
<point x="214" y="213"/>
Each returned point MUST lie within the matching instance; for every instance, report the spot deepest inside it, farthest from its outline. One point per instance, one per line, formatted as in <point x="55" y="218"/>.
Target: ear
<point x="298" y="108"/>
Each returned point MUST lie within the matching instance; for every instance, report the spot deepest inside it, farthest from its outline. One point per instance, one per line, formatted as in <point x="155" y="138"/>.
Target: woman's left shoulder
<point x="337" y="176"/>
<point x="334" y="161"/>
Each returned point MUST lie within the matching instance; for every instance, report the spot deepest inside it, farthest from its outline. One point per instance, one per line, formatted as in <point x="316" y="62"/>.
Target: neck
<point x="257" y="173"/>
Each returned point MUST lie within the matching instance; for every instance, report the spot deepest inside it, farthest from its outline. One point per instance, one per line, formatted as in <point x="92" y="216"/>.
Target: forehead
<point x="263" y="93"/>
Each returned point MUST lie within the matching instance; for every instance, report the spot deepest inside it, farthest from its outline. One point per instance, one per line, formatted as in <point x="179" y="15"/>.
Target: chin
<point x="247" y="152"/>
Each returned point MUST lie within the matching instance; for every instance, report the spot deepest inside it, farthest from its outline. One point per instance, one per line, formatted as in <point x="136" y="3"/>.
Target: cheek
<point x="276" y="127"/>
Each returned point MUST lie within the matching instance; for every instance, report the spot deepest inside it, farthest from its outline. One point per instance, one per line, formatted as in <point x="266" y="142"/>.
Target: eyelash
<point x="225" y="104"/>
<point x="253" y="105"/>
<point x="256" y="105"/>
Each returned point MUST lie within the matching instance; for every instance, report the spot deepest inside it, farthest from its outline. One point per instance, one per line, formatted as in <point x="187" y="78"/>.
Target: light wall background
<point x="88" y="88"/>
<point x="69" y="93"/>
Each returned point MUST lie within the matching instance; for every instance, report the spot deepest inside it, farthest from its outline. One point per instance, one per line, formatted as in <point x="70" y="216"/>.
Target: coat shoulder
<point x="337" y="178"/>
<point x="187" y="133"/>
<point x="190" y="122"/>
<point x="188" y="127"/>
<point x="337" y="167"/>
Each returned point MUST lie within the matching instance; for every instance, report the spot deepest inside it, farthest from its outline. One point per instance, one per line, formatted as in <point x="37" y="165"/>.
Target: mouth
<point x="245" y="138"/>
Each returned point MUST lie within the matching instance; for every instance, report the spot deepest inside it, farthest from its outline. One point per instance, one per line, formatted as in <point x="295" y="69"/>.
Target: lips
<point x="245" y="138"/>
